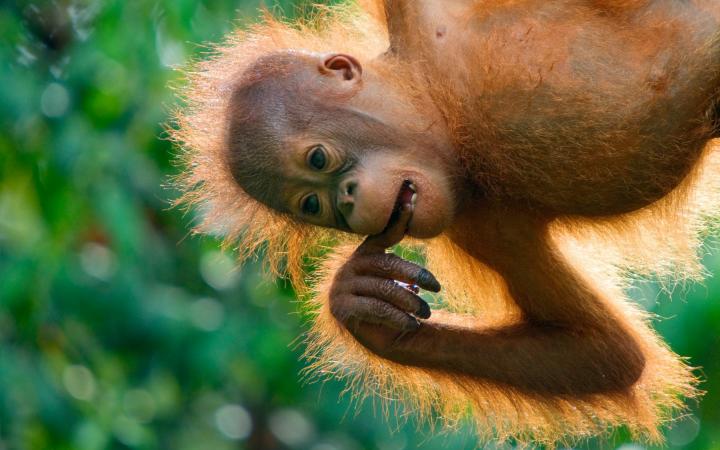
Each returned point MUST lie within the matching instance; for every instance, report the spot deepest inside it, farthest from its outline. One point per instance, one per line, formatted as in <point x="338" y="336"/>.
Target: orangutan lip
<point x="407" y="194"/>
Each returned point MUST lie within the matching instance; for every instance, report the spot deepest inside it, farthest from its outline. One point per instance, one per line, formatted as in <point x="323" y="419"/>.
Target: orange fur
<point x="620" y="246"/>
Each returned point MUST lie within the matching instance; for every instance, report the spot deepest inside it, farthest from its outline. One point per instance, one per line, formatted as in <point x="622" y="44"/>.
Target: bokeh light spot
<point x="79" y="382"/>
<point x="683" y="431"/>
<point x="336" y="441"/>
<point x="233" y="421"/>
<point x="207" y="314"/>
<point x="97" y="261"/>
<point x="139" y="405"/>
<point x="219" y="270"/>
<point x="128" y="431"/>
<point x="394" y="442"/>
<point x="291" y="427"/>
<point x="90" y="436"/>
<point x="170" y="52"/>
<point x="631" y="447"/>
<point x="325" y="446"/>
<point x="55" y="100"/>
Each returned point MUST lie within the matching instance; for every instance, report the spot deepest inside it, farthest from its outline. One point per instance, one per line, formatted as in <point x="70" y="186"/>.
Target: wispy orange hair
<point x="662" y="240"/>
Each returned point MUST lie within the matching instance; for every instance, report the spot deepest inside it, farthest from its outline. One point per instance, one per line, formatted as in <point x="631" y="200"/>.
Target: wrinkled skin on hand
<point x="365" y="297"/>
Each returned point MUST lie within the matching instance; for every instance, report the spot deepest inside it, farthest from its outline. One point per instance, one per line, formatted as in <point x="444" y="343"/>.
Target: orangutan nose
<point x="346" y="197"/>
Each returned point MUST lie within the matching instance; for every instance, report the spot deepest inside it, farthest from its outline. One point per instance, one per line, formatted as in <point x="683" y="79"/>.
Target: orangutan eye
<point x="311" y="205"/>
<point x="317" y="158"/>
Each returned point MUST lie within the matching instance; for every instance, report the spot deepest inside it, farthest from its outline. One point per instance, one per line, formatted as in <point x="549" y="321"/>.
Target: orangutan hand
<point x="374" y="295"/>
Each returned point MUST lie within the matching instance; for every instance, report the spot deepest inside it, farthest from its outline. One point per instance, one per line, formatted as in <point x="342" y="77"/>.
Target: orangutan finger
<point x="378" y="312"/>
<point x="351" y="309"/>
<point x="393" y="234"/>
<point x="389" y="291"/>
<point x="387" y="265"/>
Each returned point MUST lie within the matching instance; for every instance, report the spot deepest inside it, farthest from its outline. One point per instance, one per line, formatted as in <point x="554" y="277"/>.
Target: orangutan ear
<point x="345" y="67"/>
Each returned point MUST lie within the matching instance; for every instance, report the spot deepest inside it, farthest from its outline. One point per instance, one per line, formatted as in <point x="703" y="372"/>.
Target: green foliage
<point x="119" y="329"/>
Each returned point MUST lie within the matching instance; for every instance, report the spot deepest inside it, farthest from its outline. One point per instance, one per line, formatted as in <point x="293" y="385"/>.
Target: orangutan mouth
<point x="407" y="195"/>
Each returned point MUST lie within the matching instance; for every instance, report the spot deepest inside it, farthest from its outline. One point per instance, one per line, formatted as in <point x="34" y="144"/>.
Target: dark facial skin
<point x="354" y="158"/>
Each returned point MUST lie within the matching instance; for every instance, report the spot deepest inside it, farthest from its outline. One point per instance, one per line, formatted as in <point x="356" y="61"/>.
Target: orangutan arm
<point x="569" y="342"/>
<point x="541" y="358"/>
<point x="400" y="16"/>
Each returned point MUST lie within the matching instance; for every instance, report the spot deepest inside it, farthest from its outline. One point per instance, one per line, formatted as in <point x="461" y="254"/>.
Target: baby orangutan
<point x="533" y="149"/>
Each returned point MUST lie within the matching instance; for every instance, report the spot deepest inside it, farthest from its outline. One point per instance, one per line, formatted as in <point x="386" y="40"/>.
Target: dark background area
<point x="120" y="330"/>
